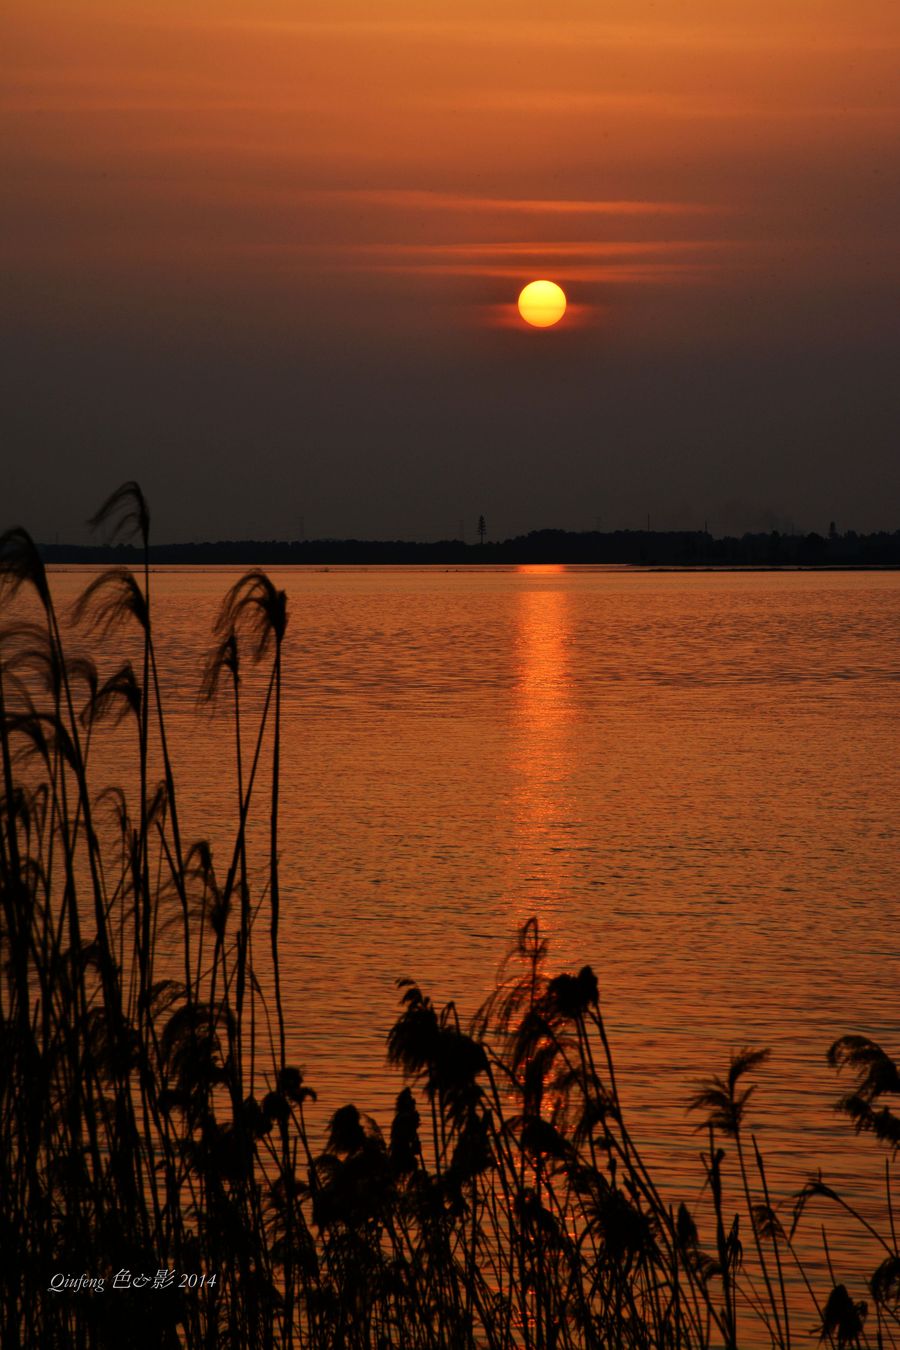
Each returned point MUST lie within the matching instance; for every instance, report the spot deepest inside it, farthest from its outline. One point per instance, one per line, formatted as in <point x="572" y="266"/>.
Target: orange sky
<point x="697" y="173"/>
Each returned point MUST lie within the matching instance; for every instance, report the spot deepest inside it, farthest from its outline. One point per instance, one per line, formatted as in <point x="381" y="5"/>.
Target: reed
<point x="150" y="1120"/>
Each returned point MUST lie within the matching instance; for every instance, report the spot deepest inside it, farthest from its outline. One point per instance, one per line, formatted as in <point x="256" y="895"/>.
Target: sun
<point x="542" y="303"/>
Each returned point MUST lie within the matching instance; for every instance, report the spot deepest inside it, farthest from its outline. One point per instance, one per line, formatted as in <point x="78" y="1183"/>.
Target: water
<point x="691" y="778"/>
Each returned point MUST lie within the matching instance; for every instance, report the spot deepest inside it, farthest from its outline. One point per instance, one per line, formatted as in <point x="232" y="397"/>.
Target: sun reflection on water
<point x="541" y="749"/>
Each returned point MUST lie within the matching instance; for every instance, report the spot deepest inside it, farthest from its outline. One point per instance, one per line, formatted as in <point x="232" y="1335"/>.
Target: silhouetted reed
<point x="150" y="1121"/>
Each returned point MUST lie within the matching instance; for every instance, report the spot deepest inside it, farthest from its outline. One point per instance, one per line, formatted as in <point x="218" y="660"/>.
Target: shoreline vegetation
<point x="150" y="1120"/>
<point x="642" y="548"/>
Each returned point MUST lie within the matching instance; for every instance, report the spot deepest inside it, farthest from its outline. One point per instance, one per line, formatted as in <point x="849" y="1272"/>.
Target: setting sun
<point x="542" y="303"/>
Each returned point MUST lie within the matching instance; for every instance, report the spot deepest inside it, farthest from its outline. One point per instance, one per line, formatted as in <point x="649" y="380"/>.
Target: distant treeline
<point x="678" y="548"/>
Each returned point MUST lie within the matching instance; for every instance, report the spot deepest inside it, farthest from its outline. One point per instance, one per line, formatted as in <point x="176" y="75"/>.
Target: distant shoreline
<point x="673" y="568"/>
<point x="636" y="548"/>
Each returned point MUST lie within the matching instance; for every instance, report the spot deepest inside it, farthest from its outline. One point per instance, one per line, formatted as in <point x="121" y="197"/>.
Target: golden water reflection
<point x="542" y="752"/>
<point x="691" y="779"/>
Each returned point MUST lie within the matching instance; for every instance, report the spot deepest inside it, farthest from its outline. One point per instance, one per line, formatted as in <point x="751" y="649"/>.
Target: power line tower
<point x="482" y="528"/>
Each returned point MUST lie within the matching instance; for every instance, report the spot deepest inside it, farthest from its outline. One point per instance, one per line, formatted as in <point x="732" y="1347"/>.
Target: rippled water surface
<point x="692" y="779"/>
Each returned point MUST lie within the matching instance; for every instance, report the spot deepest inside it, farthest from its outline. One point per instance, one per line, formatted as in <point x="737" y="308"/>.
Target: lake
<point x="691" y="778"/>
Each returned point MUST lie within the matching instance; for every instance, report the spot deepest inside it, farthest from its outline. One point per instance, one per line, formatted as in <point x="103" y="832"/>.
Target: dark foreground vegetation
<point x="647" y="548"/>
<point x="151" y="1123"/>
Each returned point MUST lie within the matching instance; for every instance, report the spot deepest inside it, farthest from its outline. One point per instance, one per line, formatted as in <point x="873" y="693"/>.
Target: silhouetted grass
<point x="149" y="1119"/>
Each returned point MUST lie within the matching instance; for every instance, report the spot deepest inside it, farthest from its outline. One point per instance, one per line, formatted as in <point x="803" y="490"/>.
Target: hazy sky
<point x="264" y="255"/>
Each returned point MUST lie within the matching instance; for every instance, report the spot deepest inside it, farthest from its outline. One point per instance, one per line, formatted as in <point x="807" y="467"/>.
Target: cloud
<point x="418" y="199"/>
<point x="628" y="262"/>
<point x="772" y="29"/>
